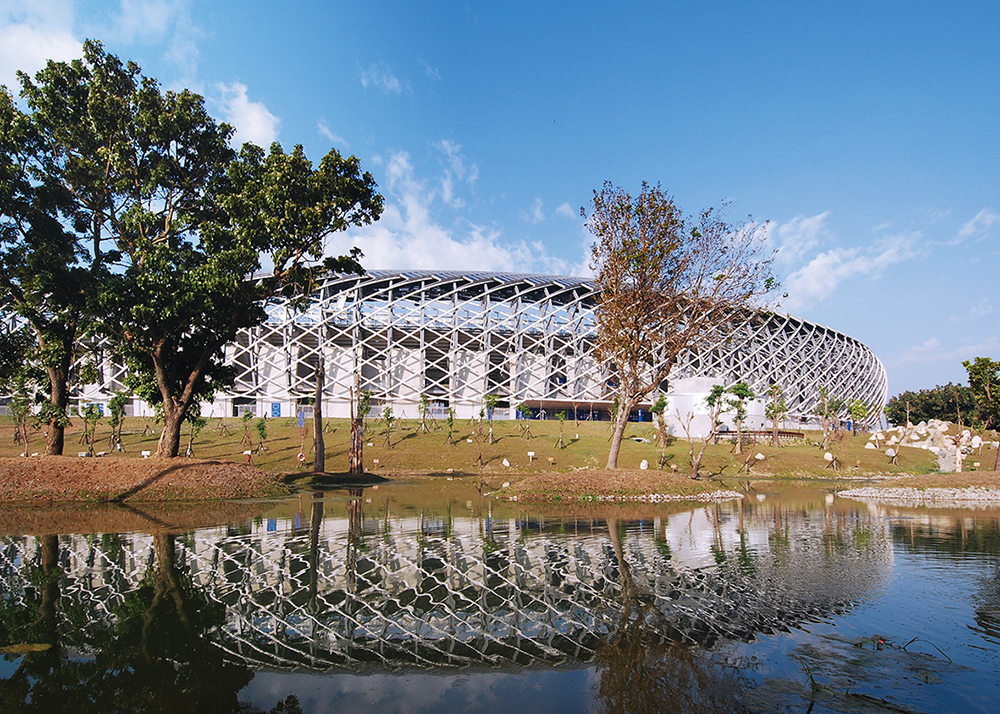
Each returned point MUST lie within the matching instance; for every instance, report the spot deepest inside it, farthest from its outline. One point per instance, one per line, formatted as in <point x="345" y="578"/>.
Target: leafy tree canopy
<point x="945" y="402"/>
<point x="178" y="225"/>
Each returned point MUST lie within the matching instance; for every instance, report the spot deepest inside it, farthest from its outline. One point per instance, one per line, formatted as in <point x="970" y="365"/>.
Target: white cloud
<point x="34" y="32"/>
<point x="797" y="237"/>
<point x="146" y="19"/>
<point x="381" y="77"/>
<point x="981" y="309"/>
<point x="455" y="168"/>
<point x="535" y="213"/>
<point x="151" y="22"/>
<point x="978" y="228"/>
<point x="252" y="120"/>
<point x="329" y="133"/>
<point x="817" y="280"/>
<point x="409" y="236"/>
<point x="933" y="351"/>
<point x="430" y="71"/>
<point x="565" y="210"/>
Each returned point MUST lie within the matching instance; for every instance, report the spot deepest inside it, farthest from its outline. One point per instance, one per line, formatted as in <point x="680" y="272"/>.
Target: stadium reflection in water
<point x="351" y="600"/>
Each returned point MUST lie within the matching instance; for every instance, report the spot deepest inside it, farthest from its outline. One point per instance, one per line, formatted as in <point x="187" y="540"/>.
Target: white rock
<point x="870" y="445"/>
<point x="759" y="457"/>
<point x="828" y="456"/>
<point x="644" y="464"/>
<point x="506" y="463"/>
<point x="890" y="452"/>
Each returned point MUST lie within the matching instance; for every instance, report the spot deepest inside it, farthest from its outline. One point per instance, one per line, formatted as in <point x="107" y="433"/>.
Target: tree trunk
<point x="616" y="439"/>
<point x="319" y="447"/>
<point x="774" y="434"/>
<point x="59" y="399"/>
<point x="357" y="465"/>
<point x="170" y="438"/>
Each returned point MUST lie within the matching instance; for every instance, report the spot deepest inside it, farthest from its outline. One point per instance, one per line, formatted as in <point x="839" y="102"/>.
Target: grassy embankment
<point x="585" y="446"/>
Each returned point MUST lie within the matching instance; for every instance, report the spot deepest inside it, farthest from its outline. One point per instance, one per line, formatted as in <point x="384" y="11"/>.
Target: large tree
<point x="46" y="279"/>
<point x="667" y="283"/>
<point x="984" y="382"/>
<point x="177" y="224"/>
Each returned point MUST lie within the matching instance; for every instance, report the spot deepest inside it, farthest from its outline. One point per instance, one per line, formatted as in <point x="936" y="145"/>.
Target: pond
<point x="416" y="599"/>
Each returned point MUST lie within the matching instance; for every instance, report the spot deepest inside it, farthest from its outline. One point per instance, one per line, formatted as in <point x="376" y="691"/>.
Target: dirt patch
<point x="968" y="479"/>
<point x="45" y="479"/>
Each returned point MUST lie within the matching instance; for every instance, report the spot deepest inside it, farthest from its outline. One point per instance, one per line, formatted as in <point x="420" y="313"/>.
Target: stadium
<point x="453" y="337"/>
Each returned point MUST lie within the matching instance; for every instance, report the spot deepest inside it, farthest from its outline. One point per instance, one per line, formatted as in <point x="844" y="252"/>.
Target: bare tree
<point x="715" y="406"/>
<point x="667" y="283"/>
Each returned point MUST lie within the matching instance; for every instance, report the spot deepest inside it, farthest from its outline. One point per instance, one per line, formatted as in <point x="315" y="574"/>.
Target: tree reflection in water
<point x="645" y="668"/>
<point x="149" y="656"/>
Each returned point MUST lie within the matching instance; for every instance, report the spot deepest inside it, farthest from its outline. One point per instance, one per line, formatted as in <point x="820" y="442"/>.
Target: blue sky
<point x="867" y="134"/>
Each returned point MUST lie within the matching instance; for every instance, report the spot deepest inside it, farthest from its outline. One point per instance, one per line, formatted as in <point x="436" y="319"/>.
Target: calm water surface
<point x="413" y="599"/>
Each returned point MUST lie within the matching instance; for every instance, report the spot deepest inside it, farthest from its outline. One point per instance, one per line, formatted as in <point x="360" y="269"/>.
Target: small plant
<point x="261" y="427"/>
<point x="561" y="416"/>
<point x="659" y="410"/>
<point x="246" y="419"/>
<point x="364" y="406"/>
<point x="91" y="418"/>
<point x="741" y="393"/>
<point x="526" y="413"/>
<point x="450" y="421"/>
<point x="775" y="410"/>
<point x="116" y="417"/>
<point x="196" y="422"/>
<point x="490" y="402"/>
<point x="388" y="419"/>
<point x="424" y="408"/>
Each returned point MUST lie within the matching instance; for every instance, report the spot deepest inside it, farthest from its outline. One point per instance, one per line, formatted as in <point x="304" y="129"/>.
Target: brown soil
<point x="968" y="479"/>
<point x="46" y="479"/>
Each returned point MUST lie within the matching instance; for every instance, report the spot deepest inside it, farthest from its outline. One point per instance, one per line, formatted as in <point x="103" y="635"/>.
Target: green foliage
<point x="944" y="402"/>
<point x="776" y="407"/>
<point x="740" y="392"/>
<point x="526" y="411"/>
<point x="261" y="426"/>
<point x="450" y="422"/>
<point x="860" y="413"/>
<point x="116" y="409"/>
<point x="176" y="221"/>
<point x="364" y="404"/>
<point x="984" y="383"/>
<point x="660" y="405"/>
<point x="46" y="277"/>
<point x="388" y="419"/>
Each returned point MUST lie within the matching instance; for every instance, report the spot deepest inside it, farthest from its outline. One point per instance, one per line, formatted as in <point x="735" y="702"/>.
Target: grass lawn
<point x="409" y="451"/>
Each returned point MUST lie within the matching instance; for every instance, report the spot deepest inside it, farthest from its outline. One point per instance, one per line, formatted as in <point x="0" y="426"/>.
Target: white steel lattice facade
<point x="455" y="336"/>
